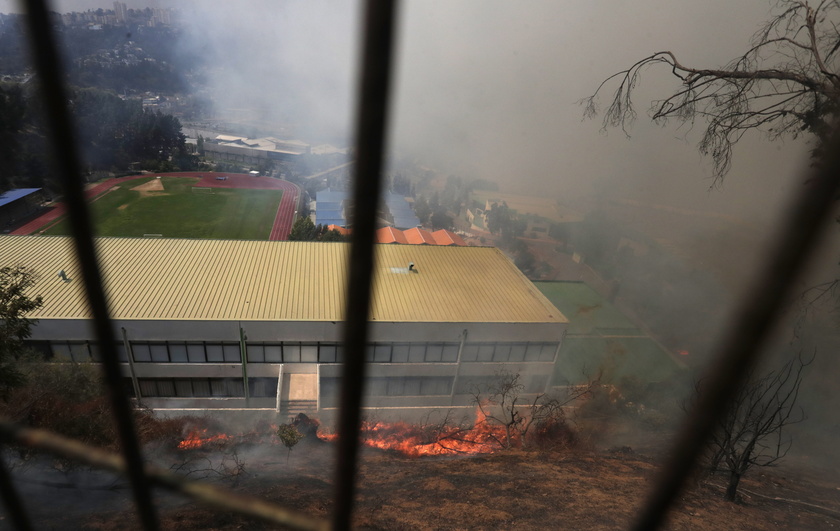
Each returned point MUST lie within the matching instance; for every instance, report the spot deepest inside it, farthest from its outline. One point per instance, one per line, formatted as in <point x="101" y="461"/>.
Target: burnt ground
<point x="565" y="489"/>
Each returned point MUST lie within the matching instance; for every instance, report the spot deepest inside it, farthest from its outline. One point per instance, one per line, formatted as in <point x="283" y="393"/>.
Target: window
<point x="273" y="354"/>
<point x="502" y="352"/>
<point x="193" y="387"/>
<point x="291" y="353"/>
<point x="327" y="354"/>
<point x="309" y="353"/>
<point x="399" y="353"/>
<point x="232" y="353"/>
<point x="262" y="387"/>
<point x="485" y="352"/>
<point x="178" y="353"/>
<point x="382" y="353"/>
<point x="195" y="353"/>
<point x="159" y="353"/>
<point x="256" y="353"/>
<point x="532" y="352"/>
<point x="469" y="353"/>
<point x="141" y="353"/>
<point x="450" y="352"/>
<point x="215" y="352"/>
<point x="417" y="353"/>
<point x="434" y="352"/>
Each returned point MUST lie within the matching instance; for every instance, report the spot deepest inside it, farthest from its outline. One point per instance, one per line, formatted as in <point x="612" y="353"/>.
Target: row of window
<point x="395" y="386"/>
<point x="293" y="352"/>
<point x="205" y="387"/>
<point x="330" y="387"/>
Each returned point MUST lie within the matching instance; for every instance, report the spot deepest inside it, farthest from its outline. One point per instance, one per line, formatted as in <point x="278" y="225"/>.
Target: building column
<point x="130" y="356"/>
<point x="457" y="368"/>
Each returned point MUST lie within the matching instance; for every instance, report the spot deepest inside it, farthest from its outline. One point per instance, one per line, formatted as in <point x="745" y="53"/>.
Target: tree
<point x="786" y="83"/>
<point x="440" y="219"/>
<point x="422" y="209"/>
<point x="304" y="230"/>
<point x="289" y="435"/>
<point x="501" y="402"/>
<point x="752" y="433"/>
<point x="524" y="259"/>
<point x="15" y="304"/>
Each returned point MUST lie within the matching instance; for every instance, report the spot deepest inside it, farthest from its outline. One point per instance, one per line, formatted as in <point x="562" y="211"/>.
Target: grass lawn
<point x="178" y="211"/>
<point x="601" y="341"/>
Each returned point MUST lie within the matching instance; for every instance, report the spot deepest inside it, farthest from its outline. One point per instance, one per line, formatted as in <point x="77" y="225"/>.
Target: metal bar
<point x="214" y="496"/>
<point x="753" y="321"/>
<point x="51" y="80"/>
<point x="13" y="502"/>
<point x="377" y="48"/>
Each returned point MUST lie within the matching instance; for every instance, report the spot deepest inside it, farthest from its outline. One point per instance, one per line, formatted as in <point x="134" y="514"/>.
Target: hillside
<point x="580" y="489"/>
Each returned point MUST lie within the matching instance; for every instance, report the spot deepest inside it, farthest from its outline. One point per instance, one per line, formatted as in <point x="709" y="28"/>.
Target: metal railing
<point x="760" y="307"/>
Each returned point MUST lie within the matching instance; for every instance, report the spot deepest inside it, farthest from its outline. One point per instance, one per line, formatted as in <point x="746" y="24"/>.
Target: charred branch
<point x="786" y="83"/>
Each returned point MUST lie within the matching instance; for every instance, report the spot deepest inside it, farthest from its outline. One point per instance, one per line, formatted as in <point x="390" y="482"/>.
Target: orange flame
<point x="198" y="439"/>
<point x="415" y="441"/>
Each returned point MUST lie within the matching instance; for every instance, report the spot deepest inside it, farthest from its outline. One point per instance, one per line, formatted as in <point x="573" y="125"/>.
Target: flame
<point x="412" y="440"/>
<point x="416" y="441"/>
<point x="199" y="438"/>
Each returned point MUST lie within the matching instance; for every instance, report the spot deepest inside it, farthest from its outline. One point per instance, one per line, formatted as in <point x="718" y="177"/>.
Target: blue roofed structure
<point x="330" y="207"/>
<point x="13" y="195"/>
<point x="404" y="217"/>
<point x="17" y="204"/>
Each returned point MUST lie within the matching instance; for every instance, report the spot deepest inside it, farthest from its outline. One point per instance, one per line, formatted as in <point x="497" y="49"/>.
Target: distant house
<point x="254" y="150"/>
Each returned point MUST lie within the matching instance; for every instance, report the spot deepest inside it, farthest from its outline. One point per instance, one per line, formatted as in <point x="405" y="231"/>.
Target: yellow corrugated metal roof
<point x="293" y="281"/>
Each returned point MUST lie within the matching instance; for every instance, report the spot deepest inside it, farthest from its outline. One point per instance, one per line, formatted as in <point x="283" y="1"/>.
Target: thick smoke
<point x="287" y="67"/>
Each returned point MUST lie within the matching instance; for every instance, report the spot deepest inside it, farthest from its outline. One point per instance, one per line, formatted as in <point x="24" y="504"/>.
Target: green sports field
<point x="602" y="342"/>
<point x="179" y="211"/>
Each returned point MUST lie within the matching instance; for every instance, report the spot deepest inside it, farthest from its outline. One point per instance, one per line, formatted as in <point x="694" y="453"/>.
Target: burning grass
<point x="483" y="436"/>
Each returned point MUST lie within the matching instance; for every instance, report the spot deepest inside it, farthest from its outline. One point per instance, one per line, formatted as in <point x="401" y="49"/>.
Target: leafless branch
<point x="789" y="62"/>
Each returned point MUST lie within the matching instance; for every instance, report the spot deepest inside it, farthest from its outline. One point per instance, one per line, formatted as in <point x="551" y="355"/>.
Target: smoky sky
<point x="489" y="89"/>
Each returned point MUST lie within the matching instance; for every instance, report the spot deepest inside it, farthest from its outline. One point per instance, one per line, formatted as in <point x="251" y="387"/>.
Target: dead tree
<point x="753" y="432"/>
<point x="786" y="83"/>
<point x="502" y="403"/>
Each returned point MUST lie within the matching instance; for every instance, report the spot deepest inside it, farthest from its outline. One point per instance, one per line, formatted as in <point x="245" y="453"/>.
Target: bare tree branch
<point x="787" y="82"/>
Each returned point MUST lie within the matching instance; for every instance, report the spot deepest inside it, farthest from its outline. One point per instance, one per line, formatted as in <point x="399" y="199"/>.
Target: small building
<point x="254" y="150"/>
<point x="17" y="204"/>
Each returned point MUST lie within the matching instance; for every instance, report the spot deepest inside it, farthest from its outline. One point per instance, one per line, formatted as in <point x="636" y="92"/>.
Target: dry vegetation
<point x="560" y="489"/>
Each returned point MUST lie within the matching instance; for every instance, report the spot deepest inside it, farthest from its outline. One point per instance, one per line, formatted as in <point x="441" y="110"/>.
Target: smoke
<point x="287" y="67"/>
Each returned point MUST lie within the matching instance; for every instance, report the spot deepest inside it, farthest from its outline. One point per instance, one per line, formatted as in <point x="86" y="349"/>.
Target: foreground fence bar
<point x="371" y="119"/>
<point x="63" y="136"/>
<point x="748" y="330"/>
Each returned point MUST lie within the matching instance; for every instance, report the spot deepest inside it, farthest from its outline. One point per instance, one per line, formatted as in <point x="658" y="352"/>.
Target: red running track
<point x="282" y="222"/>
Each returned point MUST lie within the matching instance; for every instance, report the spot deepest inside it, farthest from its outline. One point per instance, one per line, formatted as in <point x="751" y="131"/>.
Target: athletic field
<point x="179" y="207"/>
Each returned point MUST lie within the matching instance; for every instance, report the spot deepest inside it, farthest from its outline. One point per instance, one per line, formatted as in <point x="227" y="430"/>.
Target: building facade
<point x="215" y="324"/>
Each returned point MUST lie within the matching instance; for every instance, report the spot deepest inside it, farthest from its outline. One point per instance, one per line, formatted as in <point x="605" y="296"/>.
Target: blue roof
<point x="14" y="195"/>
<point x="404" y="217"/>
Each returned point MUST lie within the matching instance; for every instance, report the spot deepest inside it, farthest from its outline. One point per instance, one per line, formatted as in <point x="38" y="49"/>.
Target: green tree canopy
<point x="15" y="327"/>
